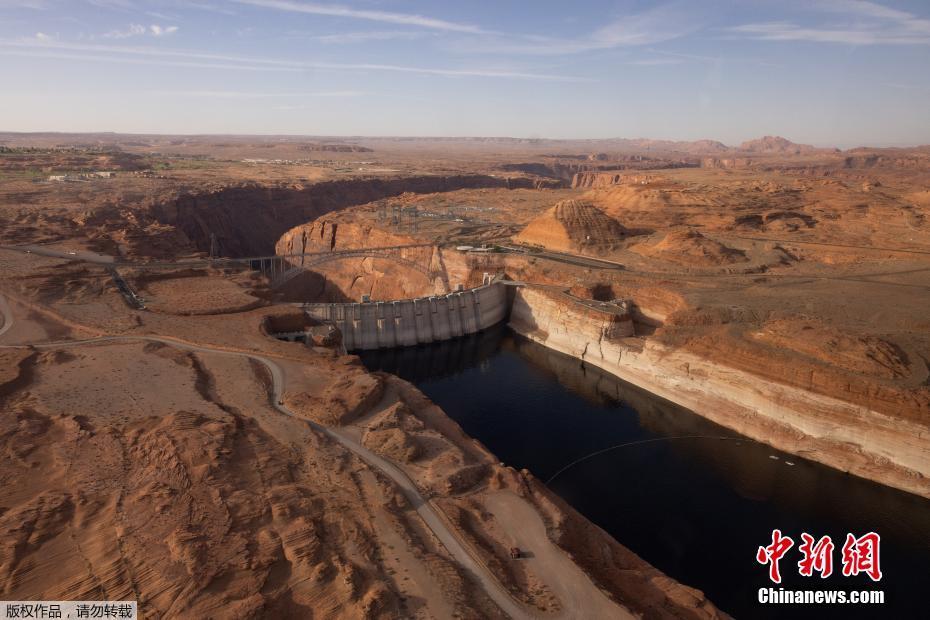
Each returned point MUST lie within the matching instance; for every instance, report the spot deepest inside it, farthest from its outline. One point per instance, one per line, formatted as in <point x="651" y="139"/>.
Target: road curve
<point x="7" y="314"/>
<point x="424" y="508"/>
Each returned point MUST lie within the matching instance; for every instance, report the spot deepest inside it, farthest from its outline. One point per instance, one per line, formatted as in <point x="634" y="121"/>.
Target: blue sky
<point x="827" y="72"/>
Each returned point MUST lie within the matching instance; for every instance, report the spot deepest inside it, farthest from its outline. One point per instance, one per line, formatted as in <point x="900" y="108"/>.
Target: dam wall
<point x="407" y="322"/>
<point x="841" y="434"/>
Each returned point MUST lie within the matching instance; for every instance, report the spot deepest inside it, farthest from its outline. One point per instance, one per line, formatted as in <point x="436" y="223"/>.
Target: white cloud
<point x="863" y="9"/>
<point x="138" y="30"/>
<point x="41" y="36"/>
<point x="361" y="37"/>
<point x="24" y="4"/>
<point x="160" y="31"/>
<point x="654" y="62"/>
<point x="786" y="31"/>
<point x="865" y="23"/>
<point x="183" y="58"/>
<point x="333" y="10"/>
<point x="655" y="25"/>
<point x="120" y="5"/>
<point x="133" y="30"/>
<point x="209" y="7"/>
<point x="232" y="94"/>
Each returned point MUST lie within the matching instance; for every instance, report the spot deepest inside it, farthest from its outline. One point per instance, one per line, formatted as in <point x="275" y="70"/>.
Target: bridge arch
<point x="416" y="257"/>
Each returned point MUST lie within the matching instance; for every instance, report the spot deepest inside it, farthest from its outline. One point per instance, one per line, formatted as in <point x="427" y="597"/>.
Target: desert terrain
<point x="160" y="444"/>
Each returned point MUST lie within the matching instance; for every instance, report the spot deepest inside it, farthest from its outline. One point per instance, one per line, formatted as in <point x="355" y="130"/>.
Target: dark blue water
<point x="695" y="508"/>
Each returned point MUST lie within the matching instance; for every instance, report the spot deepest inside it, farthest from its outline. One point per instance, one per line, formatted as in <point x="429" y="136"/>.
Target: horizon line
<point x="847" y="147"/>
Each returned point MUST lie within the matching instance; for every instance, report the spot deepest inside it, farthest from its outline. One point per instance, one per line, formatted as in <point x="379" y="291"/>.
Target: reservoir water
<point x="692" y="498"/>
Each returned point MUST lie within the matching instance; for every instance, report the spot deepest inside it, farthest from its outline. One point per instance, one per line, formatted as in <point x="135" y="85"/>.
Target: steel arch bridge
<point x="418" y="257"/>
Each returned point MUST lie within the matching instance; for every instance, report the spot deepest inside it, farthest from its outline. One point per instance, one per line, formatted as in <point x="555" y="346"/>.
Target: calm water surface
<point x="695" y="508"/>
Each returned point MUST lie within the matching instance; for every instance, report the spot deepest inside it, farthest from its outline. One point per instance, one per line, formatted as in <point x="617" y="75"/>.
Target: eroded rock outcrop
<point x="573" y="226"/>
<point x="689" y="247"/>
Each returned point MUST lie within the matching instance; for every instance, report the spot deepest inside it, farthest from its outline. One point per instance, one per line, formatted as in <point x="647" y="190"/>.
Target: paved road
<point x="105" y="259"/>
<point x="790" y="279"/>
<point x="87" y="257"/>
<point x="563" y="257"/>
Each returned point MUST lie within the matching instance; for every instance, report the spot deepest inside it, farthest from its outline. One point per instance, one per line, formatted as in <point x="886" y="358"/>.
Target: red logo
<point x="773" y="553"/>
<point x="817" y="556"/>
<point x="859" y="555"/>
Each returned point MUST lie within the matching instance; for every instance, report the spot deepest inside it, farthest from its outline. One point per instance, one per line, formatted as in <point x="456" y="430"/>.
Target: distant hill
<point x="637" y="145"/>
<point x="776" y="145"/>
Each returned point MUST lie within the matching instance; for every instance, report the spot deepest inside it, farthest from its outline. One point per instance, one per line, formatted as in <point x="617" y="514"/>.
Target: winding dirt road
<point x="6" y="313"/>
<point x="580" y="597"/>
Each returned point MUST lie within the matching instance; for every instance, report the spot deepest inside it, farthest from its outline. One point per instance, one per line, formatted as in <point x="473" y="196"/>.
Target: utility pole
<point x="213" y="249"/>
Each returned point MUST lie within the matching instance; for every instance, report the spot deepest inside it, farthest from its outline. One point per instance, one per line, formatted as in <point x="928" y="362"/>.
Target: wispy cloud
<point x="83" y="52"/>
<point x="864" y="23"/>
<point x="232" y="94"/>
<point x="133" y="5"/>
<point x="122" y="5"/>
<point x="374" y="35"/>
<point x="333" y="10"/>
<point x="133" y="30"/>
<point x="654" y="62"/>
<point x="24" y="4"/>
<point x="863" y="8"/>
<point x="161" y="31"/>
<point x="209" y="7"/>
<point x="656" y="25"/>
<point x="138" y="30"/>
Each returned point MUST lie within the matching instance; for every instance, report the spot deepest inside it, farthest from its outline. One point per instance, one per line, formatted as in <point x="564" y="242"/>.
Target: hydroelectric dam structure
<point x="370" y="325"/>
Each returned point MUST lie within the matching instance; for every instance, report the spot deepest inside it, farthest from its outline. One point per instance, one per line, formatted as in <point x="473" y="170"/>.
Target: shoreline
<point x="842" y="435"/>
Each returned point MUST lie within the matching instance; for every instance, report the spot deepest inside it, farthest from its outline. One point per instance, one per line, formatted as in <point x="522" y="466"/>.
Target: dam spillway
<point x="371" y="325"/>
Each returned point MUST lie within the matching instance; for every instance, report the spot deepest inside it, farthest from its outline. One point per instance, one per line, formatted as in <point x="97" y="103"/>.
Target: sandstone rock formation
<point x="689" y="247"/>
<point x="574" y="226"/>
<point x="779" y="146"/>
<point x="596" y="179"/>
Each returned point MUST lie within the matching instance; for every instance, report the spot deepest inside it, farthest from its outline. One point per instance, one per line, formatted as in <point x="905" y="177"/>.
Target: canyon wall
<point x="840" y="434"/>
<point x="248" y="219"/>
<point x="594" y="180"/>
<point x="599" y="180"/>
<point x="407" y="322"/>
<point x="347" y="279"/>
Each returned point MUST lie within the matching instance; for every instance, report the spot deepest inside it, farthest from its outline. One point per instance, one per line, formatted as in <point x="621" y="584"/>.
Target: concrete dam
<point x="386" y="324"/>
<point x="371" y="325"/>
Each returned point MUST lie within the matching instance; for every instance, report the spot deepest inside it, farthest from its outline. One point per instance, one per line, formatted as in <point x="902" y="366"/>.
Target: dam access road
<point x="579" y="596"/>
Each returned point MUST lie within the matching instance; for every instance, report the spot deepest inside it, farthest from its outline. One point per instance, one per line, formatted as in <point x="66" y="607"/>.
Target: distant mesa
<point x="696" y="147"/>
<point x="776" y="145"/>
<point x="689" y="247"/>
<point x="574" y="226"/>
